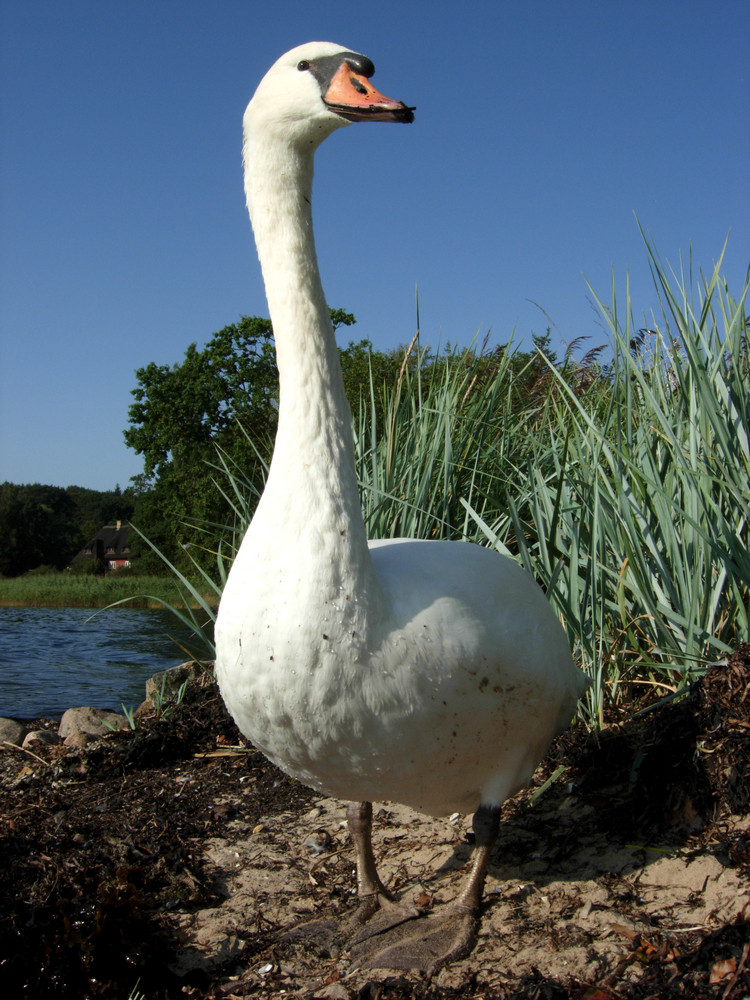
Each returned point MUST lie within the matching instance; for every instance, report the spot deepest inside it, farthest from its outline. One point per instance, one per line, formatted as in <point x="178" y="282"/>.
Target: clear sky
<point x="541" y="128"/>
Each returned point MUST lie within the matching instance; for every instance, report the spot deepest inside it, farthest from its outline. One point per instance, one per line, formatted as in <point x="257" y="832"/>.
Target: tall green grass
<point x="640" y="532"/>
<point x="624" y="490"/>
<point x="69" y="590"/>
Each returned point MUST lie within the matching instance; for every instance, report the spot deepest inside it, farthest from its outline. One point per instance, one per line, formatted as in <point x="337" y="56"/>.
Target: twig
<point x="15" y="746"/>
<point x="738" y="971"/>
<point x="326" y="857"/>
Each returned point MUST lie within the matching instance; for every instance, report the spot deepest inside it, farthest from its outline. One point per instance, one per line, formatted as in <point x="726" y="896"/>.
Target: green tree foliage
<point x="48" y="525"/>
<point x="223" y="397"/>
<point x="223" y="401"/>
<point x="95" y="508"/>
<point x="180" y="410"/>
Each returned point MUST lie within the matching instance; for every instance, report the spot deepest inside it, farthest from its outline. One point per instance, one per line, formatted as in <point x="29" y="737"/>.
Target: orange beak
<point x="352" y="96"/>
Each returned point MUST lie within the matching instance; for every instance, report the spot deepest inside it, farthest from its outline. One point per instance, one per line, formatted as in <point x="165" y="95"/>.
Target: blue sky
<point x="541" y="129"/>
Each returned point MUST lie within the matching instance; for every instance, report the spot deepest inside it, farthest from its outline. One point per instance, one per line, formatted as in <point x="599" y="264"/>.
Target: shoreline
<point x="68" y="590"/>
<point x="82" y="724"/>
<point x="55" y="658"/>
<point x="182" y="844"/>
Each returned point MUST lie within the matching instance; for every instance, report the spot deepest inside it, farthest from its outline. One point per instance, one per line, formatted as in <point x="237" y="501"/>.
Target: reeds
<point x="637" y="498"/>
<point x="70" y="590"/>
<point x="624" y="489"/>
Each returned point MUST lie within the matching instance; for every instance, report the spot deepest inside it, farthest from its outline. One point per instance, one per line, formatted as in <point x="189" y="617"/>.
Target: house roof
<point x="111" y="540"/>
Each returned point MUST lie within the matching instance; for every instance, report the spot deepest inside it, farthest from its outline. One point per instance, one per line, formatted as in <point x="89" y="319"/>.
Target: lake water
<point x="52" y="659"/>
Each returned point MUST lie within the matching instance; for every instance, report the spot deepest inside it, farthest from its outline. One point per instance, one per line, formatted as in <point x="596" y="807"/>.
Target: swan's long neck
<point x="312" y="482"/>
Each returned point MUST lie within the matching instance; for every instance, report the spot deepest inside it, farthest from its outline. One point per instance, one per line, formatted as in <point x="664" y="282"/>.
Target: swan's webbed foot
<point x="426" y="945"/>
<point x="429" y="944"/>
<point x="378" y="911"/>
<point x="383" y="933"/>
<point x="375" y="916"/>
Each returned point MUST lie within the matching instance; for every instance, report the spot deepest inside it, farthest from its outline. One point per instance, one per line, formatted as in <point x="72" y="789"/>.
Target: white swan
<point x="429" y="673"/>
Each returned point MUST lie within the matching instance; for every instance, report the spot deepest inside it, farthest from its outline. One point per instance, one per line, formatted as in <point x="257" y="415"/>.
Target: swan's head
<point x="313" y="90"/>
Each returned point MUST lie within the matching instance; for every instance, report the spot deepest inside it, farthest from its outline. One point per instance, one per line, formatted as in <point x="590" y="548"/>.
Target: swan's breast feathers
<point x="430" y="673"/>
<point x="445" y="693"/>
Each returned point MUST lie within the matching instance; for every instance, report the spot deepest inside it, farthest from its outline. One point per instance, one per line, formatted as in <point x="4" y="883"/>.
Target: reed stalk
<point x="624" y="489"/>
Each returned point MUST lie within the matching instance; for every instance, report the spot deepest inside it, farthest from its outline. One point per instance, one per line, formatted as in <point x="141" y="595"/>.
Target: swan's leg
<point x="486" y="826"/>
<point x="378" y="911"/>
<point x="441" y="938"/>
<point x="359" y="820"/>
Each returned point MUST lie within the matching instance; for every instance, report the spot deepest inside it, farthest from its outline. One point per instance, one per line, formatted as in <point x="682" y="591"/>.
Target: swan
<point x="430" y="673"/>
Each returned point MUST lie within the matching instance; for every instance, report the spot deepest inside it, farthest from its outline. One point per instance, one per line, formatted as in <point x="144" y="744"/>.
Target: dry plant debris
<point x="172" y="859"/>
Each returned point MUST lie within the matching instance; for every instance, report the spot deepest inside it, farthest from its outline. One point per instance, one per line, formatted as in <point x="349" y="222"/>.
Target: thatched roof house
<point x="110" y="545"/>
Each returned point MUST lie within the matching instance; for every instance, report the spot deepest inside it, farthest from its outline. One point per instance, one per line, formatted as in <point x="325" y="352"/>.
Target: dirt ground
<point x="172" y="859"/>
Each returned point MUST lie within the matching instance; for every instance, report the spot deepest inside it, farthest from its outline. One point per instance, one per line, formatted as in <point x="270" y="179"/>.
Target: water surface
<point x="52" y="659"/>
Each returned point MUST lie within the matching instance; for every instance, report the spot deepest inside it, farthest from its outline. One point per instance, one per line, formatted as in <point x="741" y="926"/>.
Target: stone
<point x="335" y="991"/>
<point x="12" y="732"/>
<point x="78" y="739"/>
<point x="164" y="687"/>
<point x="40" y="736"/>
<point x="93" y="721"/>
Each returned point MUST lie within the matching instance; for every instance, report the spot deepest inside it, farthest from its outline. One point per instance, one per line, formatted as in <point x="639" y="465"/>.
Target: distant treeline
<point x="46" y="526"/>
<point x="216" y="411"/>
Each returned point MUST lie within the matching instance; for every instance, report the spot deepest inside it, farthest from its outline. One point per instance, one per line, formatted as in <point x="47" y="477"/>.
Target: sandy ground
<point x="563" y="902"/>
<point x="176" y="858"/>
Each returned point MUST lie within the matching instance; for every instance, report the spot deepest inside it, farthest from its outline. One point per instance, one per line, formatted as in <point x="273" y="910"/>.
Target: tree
<point x="38" y="527"/>
<point x="180" y="410"/>
<point x="47" y="525"/>
<point x="95" y="508"/>
<point x="224" y="396"/>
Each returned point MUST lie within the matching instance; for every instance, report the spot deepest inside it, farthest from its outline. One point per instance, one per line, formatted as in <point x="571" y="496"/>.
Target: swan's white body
<point x="430" y="673"/>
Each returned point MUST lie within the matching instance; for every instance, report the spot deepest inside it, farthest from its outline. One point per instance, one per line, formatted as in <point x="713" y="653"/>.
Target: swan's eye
<point x="302" y="65"/>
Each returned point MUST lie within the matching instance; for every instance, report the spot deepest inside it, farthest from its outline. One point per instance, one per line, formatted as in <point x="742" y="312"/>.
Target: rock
<point x="78" y="739"/>
<point x="335" y="991"/>
<point x="318" y="842"/>
<point x="12" y="732"/>
<point x="164" y="687"/>
<point x="93" y="721"/>
<point x="40" y="736"/>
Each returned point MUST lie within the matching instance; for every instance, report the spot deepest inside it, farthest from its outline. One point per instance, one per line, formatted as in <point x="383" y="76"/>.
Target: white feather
<point x="429" y="673"/>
